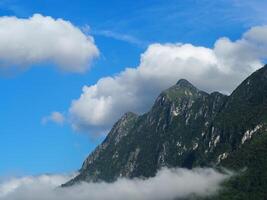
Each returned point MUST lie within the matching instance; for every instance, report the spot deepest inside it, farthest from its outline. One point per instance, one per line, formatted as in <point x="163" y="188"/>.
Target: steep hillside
<point x="248" y="113"/>
<point x="187" y="127"/>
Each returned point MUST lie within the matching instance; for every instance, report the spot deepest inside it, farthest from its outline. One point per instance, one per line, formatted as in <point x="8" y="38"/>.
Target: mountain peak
<point x="184" y="83"/>
<point x="182" y="89"/>
<point x="253" y="89"/>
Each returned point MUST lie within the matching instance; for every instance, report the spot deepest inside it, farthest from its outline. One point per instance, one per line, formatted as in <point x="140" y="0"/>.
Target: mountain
<point x="188" y="128"/>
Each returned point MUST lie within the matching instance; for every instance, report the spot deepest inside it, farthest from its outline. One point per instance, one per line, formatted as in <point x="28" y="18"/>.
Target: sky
<point x="70" y="69"/>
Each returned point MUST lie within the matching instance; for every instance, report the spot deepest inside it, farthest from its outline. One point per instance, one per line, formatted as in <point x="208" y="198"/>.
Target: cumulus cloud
<point x="55" y="117"/>
<point x="24" y="42"/>
<point x="220" y="68"/>
<point x="168" y="184"/>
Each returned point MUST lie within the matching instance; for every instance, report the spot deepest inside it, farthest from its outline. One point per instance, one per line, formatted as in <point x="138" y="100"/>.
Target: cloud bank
<point x="24" y="42"/>
<point x="167" y="185"/>
<point x="220" y="68"/>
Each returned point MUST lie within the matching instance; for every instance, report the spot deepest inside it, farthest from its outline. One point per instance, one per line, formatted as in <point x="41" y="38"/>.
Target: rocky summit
<point x="188" y="128"/>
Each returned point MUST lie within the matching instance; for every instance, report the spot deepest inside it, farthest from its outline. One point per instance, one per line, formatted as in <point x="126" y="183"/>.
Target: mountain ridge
<point x="186" y="127"/>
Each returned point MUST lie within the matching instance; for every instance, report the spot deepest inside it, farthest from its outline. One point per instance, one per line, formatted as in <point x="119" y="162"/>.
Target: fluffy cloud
<point x="24" y="42"/>
<point x="168" y="184"/>
<point x="55" y="117"/>
<point x="219" y="68"/>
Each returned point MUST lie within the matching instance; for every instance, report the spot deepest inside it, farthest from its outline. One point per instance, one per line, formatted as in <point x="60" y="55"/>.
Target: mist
<point x="168" y="184"/>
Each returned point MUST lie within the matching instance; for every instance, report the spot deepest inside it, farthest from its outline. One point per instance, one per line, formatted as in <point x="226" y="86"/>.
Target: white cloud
<point x="119" y="36"/>
<point x="168" y="184"/>
<point x="24" y="42"/>
<point x="17" y="185"/>
<point x="55" y="117"/>
<point x="220" y="68"/>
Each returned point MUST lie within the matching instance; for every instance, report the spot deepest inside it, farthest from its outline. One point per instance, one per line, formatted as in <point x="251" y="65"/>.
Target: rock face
<point x="186" y="127"/>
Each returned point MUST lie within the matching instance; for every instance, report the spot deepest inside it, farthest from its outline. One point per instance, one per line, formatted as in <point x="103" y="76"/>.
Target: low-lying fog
<point x="167" y="184"/>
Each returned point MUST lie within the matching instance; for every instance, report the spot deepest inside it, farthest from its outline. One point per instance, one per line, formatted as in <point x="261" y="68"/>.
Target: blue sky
<point x="122" y="30"/>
